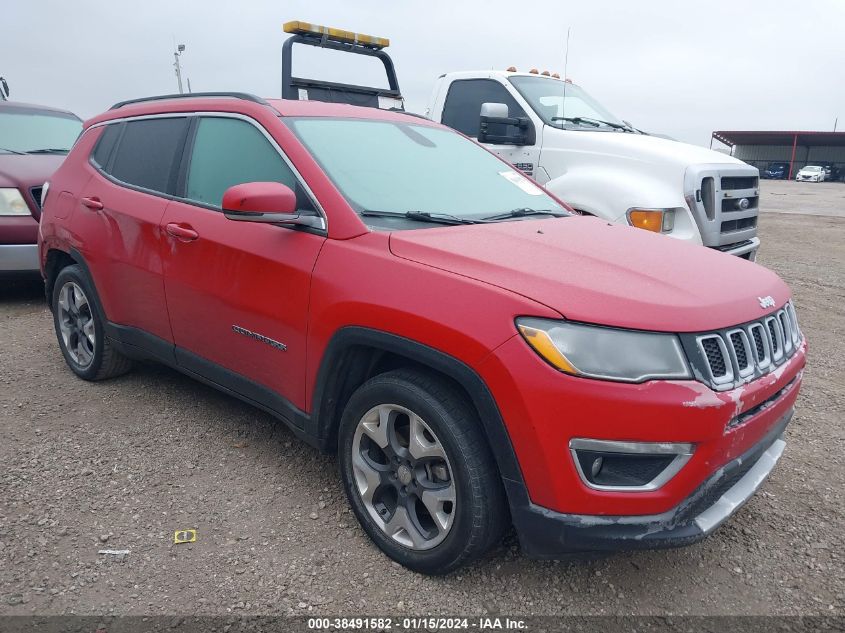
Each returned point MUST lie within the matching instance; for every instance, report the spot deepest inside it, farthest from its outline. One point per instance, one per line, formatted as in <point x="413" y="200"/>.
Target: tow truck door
<point x="462" y="111"/>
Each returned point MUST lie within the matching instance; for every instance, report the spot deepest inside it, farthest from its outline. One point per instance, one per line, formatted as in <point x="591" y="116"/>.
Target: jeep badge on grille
<point x="766" y="302"/>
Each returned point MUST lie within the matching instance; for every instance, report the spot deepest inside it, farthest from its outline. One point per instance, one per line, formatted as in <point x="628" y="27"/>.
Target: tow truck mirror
<point x="497" y="114"/>
<point x="267" y="202"/>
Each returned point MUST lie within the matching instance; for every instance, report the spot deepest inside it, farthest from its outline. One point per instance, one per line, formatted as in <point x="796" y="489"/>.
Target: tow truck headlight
<point x="603" y="352"/>
<point x="656" y="220"/>
<point x="12" y="203"/>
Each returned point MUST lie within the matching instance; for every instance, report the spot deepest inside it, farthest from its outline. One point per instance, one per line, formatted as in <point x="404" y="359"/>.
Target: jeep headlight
<point x="12" y="203"/>
<point x="604" y="352"/>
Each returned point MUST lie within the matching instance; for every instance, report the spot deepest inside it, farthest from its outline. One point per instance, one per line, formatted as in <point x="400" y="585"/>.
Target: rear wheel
<point x="418" y="473"/>
<point x="79" y="329"/>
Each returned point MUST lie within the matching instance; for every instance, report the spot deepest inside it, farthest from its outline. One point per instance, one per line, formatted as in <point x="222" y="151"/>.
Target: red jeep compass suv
<point x="478" y="357"/>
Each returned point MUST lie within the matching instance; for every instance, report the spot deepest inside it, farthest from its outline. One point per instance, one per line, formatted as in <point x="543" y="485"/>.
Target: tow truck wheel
<point x="418" y="473"/>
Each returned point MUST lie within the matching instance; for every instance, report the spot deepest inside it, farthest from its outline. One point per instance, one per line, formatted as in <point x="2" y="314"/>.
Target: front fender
<point x="609" y="193"/>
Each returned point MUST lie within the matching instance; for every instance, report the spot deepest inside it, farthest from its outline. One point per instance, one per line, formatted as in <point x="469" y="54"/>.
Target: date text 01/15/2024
<point x="417" y="623"/>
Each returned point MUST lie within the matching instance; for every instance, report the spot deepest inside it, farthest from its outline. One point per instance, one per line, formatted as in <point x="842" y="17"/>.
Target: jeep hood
<point x="591" y="271"/>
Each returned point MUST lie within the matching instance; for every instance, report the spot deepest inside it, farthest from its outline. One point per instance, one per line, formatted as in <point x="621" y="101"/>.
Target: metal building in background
<point x="796" y="149"/>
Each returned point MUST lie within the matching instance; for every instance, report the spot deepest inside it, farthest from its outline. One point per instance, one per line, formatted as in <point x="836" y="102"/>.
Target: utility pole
<point x="176" y="54"/>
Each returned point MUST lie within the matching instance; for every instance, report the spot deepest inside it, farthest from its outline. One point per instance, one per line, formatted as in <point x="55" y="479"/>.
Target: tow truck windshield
<point x="561" y="103"/>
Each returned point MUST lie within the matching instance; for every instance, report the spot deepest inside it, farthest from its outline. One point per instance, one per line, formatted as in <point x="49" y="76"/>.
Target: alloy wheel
<point x="403" y="476"/>
<point x="76" y="324"/>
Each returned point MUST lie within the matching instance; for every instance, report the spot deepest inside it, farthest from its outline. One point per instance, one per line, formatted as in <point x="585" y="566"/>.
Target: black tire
<point x="480" y="510"/>
<point x="105" y="360"/>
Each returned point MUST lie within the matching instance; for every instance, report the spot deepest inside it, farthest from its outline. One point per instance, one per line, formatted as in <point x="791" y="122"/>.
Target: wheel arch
<point x="355" y="354"/>
<point x="57" y="260"/>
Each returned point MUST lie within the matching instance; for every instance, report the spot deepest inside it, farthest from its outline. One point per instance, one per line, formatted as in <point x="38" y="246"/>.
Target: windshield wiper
<point x="524" y="211"/>
<point x="48" y="150"/>
<point x="421" y="216"/>
<point x="11" y="151"/>
<point x="593" y="122"/>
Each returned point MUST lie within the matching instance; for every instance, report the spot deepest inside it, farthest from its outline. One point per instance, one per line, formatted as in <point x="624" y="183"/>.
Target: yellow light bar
<point x="337" y="35"/>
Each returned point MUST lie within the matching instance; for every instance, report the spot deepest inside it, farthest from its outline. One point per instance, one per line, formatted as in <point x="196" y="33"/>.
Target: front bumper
<point x="544" y="533"/>
<point x="19" y="258"/>
<point x="746" y="249"/>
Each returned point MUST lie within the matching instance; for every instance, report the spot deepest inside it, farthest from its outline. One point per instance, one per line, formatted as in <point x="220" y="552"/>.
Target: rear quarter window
<point x="147" y="153"/>
<point x="105" y="145"/>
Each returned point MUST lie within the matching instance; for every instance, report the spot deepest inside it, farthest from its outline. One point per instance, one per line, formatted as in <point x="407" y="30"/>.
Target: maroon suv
<point x="33" y="142"/>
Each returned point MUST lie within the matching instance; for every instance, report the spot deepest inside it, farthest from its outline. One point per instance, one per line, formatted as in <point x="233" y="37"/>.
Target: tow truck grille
<point x="727" y="358"/>
<point x="739" y="182"/>
<point x="724" y="199"/>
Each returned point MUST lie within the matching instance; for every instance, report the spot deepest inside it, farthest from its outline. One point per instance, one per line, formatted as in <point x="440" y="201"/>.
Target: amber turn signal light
<point x="648" y="219"/>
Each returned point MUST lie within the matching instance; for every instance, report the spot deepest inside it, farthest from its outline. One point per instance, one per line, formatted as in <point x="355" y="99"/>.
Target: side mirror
<point x="497" y="114"/>
<point x="494" y="110"/>
<point x="267" y="202"/>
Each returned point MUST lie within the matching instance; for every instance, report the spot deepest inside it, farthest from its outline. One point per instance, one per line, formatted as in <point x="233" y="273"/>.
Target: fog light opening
<point x="628" y="466"/>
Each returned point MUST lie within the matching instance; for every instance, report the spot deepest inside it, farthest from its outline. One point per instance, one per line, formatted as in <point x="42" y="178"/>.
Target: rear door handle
<point x="183" y="233"/>
<point x="92" y="203"/>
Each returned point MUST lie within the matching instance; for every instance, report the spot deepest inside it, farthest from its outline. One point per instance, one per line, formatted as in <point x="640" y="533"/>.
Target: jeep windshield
<point x="399" y="175"/>
<point x="563" y="104"/>
<point x="33" y="131"/>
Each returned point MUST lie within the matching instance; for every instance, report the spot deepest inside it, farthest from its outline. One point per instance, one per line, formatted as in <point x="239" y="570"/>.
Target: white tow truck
<point x="556" y="133"/>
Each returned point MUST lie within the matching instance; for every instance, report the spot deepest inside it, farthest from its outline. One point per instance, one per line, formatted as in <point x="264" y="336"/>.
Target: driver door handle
<point x="183" y="233"/>
<point x="92" y="203"/>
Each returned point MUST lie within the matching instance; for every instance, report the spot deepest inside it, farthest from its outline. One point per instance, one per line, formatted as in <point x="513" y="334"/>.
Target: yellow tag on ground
<point x="184" y="536"/>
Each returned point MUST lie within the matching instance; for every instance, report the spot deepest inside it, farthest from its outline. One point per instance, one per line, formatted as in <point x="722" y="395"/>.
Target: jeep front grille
<point x="727" y="358"/>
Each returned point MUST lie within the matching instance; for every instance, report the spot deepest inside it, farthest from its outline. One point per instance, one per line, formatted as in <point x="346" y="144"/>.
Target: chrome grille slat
<point x="733" y="356"/>
<point x="786" y="326"/>
<point x="775" y="338"/>
<point x="741" y="353"/>
<point x="762" y="347"/>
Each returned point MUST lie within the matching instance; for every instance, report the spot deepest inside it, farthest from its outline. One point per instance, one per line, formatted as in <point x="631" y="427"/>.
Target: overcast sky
<point x="669" y="66"/>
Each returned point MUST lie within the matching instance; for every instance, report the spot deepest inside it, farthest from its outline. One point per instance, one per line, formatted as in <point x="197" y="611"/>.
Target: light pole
<point x="176" y="54"/>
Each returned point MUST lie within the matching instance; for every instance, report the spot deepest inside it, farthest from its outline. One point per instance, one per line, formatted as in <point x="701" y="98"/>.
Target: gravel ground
<point x="122" y="464"/>
<point x="814" y="198"/>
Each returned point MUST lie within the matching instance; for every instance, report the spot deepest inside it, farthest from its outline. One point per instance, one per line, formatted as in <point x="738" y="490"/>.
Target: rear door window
<point x="148" y="153"/>
<point x="228" y="152"/>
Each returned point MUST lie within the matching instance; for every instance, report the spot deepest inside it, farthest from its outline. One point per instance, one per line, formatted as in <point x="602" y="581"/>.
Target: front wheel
<point x="418" y="472"/>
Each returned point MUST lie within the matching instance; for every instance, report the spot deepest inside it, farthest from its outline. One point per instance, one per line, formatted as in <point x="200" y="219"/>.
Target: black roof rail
<point x="235" y="95"/>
